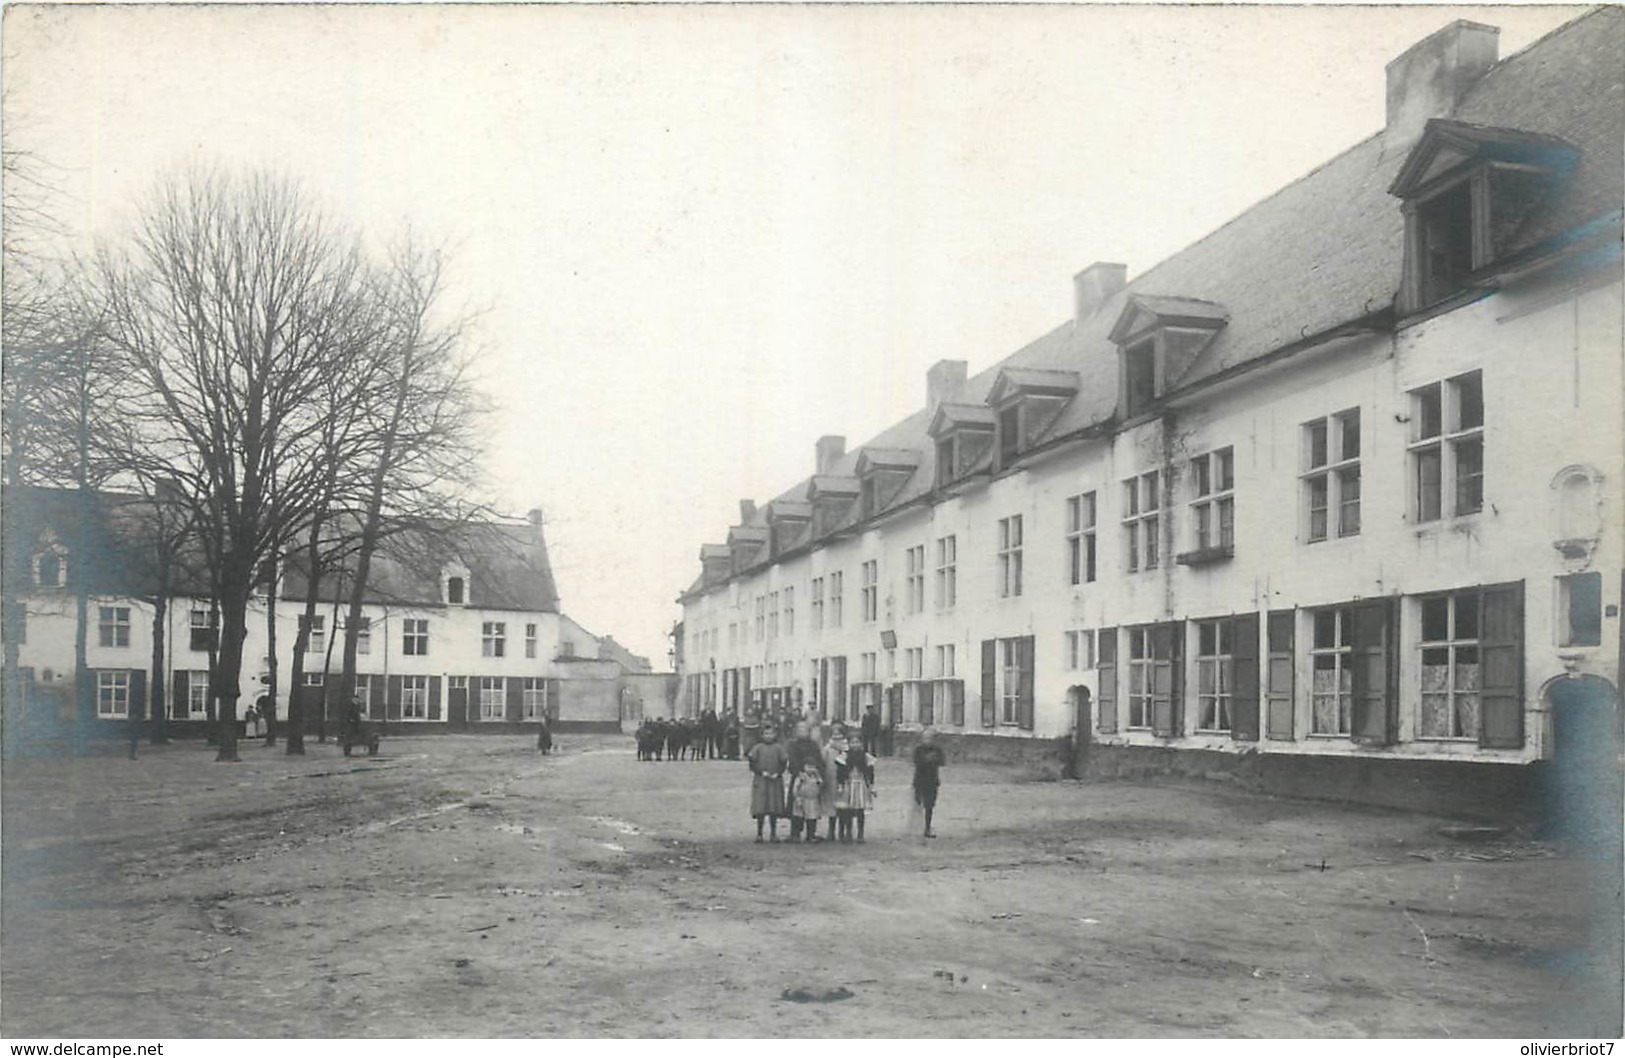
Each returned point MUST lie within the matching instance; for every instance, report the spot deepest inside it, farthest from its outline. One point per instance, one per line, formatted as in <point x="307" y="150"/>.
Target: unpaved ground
<point x="463" y="886"/>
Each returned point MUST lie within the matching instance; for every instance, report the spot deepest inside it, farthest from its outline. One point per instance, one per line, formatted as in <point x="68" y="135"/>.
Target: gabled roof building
<point x="1335" y="488"/>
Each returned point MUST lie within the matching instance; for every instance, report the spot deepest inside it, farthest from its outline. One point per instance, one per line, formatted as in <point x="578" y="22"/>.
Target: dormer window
<point x="1467" y="191"/>
<point x="50" y="562"/>
<point x="454" y="591"/>
<point x="1140" y="372"/>
<point x="883" y="473"/>
<point x="1160" y="339"/>
<point x="964" y="437"/>
<point x="1028" y="401"/>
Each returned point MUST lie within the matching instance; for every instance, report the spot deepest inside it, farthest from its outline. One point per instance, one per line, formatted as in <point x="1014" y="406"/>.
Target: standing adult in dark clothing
<point x="928" y="762"/>
<point x="871" y="731"/>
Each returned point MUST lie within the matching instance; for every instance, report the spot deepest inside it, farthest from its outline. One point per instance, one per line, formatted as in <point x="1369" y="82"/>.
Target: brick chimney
<point x="942" y="381"/>
<point x="747" y="511"/>
<point x="830" y="449"/>
<point x="1094" y="285"/>
<point x="1433" y="75"/>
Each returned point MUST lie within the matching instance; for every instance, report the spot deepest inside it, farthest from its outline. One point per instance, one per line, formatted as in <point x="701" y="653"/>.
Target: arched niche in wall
<point x="1578" y="513"/>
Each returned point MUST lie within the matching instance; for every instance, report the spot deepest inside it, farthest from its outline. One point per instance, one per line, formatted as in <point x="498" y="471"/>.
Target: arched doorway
<point x="1583" y="789"/>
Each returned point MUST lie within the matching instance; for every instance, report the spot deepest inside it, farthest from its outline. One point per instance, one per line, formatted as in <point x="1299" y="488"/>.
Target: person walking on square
<point x="928" y="762"/>
<point x="767" y="761"/>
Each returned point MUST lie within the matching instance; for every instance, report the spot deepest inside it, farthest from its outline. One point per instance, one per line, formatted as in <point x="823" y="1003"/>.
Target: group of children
<point x="807" y="781"/>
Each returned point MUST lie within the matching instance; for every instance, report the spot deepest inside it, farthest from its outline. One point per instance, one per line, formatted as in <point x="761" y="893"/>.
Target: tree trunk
<point x="156" y="704"/>
<point x="301" y="644"/>
<point x="84" y="687"/>
<point x="236" y="587"/>
<point x="270" y="664"/>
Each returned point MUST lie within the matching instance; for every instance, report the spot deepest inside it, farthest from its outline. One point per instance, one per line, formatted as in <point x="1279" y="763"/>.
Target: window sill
<point x="1205" y="556"/>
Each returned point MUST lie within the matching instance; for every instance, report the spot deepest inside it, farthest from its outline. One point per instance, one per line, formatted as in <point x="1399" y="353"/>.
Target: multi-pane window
<point x="772" y="615"/>
<point x="205" y="629"/>
<point x="1010" y="685"/>
<point x="835" y="588"/>
<point x="363" y="636"/>
<point x="363" y="687"/>
<point x="530" y="640"/>
<point x="871" y="590"/>
<point x="1010" y="556"/>
<point x="458" y="683"/>
<point x="1213" y="502"/>
<point x="1009" y="434"/>
<point x="493" y="697"/>
<point x="1331" y="661"/>
<point x="916" y="579"/>
<point x="1142" y="500"/>
<point x="112" y="695"/>
<point x="1214" y="674"/>
<point x="493" y="639"/>
<point x="817" y="603"/>
<point x="867" y="665"/>
<point x="534" y="698"/>
<point x="761" y="618"/>
<point x="1140" y="677"/>
<point x="197" y="693"/>
<point x="1080" y="538"/>
<point x="1080" y="650"/>
<point x="415" y="636"/>
<point x="1447" y="448"/>
<point x="916" y="695"/>
<point x="1331" y="478"/>
<point x="789" y="611"/>
<point x="1450" y="666"/>
<point x="947" y="572"/>
<point x="945" y="661"/>
<point x="414" y="697"/>
<point x="316" y="643"/>
<point x="113" y="626"/>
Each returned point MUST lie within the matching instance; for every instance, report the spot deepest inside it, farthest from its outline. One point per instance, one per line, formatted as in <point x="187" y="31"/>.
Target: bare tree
<point x="233" y="305"/>
<point x="423" y="448"/>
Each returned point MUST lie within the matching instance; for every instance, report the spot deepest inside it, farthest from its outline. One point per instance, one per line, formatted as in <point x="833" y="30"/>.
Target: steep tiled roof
<point x="507" y="562"/>
<point x="1323" y="251"/>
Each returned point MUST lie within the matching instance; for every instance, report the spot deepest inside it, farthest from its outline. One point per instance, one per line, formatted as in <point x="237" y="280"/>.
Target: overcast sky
<point x="706" y="236"/>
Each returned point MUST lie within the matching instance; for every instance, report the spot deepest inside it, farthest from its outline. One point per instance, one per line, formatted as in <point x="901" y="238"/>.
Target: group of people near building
<point x="830" y="777"/>
<point x="704" y="737"/>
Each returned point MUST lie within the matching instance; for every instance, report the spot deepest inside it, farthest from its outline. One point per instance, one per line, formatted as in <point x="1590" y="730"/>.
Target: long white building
<point x="1332" y="496"/>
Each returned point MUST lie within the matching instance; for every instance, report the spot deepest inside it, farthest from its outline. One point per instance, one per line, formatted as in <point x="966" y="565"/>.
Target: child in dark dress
<point x="928" y="762"/>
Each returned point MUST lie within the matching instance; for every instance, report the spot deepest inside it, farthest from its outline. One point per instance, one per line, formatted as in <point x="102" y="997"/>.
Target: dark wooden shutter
<point x="1375" y="707"/>
<point x="434" y="697"/>
<point x="956" y="702"/>
<point x="375" y="693"/>
<point x="1106" y="692"/>
<point x="744" y="687"/>
<point x="1279" y="689"/>
<point x="839" y="691"/>
<point x="180" y="694"/>
<point x="1244" y="684"/>
<point x="1025" y="654"/>
<point x="555" y="691"/>
<point x="1165" y="718"/>
<point x="392" y="700"/>
<point x="1500" y="668"/>
<point x="515" y="690"/>
<point x="990" y="662"/>
<point x="138" y="694"/>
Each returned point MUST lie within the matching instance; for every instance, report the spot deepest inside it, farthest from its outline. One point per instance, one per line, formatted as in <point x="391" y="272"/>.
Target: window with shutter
<point x="1165" y="702"/>
<point x="1279" y="688"/>
<point x="1244" y="669"/>
<point x="1501" y="668"/>
<point x="956" y="702"/>
<point x="392" y="703"/>
<point x="990" y="662"/>
<point x="434" y="697"/>
<point x="375" y="699"/>
<point x="1375" y="715"/>
<point x="1024" y="690"/>
<point x="1106" y="668"/>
